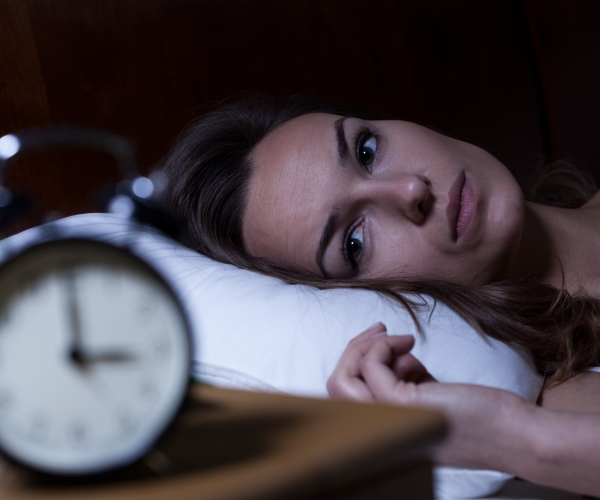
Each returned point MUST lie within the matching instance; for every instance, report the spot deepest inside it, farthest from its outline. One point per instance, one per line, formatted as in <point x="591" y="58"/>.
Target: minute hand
<point x="74" y="319"/>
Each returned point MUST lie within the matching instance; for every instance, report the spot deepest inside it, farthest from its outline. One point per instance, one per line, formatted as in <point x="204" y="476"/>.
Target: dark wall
<point x="566" y="39"/>
<point x="517" y="77"/>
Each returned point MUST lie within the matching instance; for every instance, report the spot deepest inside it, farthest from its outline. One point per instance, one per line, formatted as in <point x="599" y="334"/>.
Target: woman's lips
<point x="461" y="205"/>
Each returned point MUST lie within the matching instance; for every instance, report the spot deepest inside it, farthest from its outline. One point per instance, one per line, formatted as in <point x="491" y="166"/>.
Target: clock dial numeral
<point x="127" y="424"/>
<point x="77" y="432"/>
<point x="39" y="426"/>
<point x="112" y="282"/>
<point x="146" y="308"/>
<point x="148" y="389"/>
<point x="30" y="283"/>
<point x="6" y="400"/>
<point x="162" y="348"/>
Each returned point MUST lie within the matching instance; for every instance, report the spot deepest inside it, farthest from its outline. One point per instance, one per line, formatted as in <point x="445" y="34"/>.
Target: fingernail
<point x="378" y="334"/>
<point x="375" y="326"/>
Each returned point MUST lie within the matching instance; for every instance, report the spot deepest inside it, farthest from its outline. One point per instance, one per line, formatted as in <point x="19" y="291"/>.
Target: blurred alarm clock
<point x="95" y="346"/>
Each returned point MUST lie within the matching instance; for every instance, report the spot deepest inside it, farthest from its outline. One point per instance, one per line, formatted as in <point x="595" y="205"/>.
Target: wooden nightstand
<point x="235" y="445"/>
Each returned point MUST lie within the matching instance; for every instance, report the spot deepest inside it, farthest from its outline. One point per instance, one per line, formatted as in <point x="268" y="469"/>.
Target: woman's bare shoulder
<point x="593" y="202"/>
<point x="580" y="393"/>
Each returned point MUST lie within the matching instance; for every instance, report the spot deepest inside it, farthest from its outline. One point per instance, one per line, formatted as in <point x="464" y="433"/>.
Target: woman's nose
<point x="410" y="193"/>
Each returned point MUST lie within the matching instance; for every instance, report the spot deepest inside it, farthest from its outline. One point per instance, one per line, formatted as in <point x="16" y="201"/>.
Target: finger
<point x="345" y="381"/>
<point x="375" y="366"/>
<point x="401" y="344"/>
<point x="357" y="347"/>
<point x="410" y="369"/>
<point x="374" y="330"/>
<point x="340" y="387"/>
<point x="387" y="350"/>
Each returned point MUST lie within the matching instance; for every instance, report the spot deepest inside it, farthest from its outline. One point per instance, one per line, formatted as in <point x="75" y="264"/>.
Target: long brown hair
<point x="210" y="166"/>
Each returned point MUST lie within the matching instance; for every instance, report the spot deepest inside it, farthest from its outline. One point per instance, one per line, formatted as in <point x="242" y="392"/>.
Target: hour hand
<point x="85" y="359"/>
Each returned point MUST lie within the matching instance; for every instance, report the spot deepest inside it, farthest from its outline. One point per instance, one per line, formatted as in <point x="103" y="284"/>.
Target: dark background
<point x="520" y="78"/>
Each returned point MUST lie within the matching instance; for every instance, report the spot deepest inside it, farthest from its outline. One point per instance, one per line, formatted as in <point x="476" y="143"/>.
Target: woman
<point x="331" y="197"/>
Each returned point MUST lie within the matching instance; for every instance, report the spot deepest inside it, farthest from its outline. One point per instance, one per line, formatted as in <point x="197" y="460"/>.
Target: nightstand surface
<point x="237" y="445"/>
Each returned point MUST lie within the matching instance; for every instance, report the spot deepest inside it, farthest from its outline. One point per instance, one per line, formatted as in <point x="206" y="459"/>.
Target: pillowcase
<point x="255" y="332"/>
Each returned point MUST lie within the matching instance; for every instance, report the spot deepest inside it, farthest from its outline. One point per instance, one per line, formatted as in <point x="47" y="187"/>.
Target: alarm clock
<point x="95" y="346"/>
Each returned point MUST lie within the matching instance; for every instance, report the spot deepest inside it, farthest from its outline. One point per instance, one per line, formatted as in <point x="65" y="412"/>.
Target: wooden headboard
<point x="520" y="78"/>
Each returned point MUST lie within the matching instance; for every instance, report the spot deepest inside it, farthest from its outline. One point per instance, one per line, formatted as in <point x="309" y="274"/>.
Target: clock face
<point x="94" y="357"/>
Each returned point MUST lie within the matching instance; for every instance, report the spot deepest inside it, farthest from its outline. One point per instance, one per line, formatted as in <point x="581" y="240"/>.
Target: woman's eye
<point x="353" y="246"/>
<point x="366" y="150"/>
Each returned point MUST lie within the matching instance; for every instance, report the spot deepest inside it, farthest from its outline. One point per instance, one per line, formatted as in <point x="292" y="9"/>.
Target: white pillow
<point x="258" y="333"/>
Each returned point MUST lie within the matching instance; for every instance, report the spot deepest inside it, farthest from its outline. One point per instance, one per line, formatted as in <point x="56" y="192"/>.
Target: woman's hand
<point x="378" y="367"/>
<point x="489" y="428"/>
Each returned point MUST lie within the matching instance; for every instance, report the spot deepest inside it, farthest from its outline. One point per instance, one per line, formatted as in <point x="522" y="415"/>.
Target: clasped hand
<point x="378" y="367"/>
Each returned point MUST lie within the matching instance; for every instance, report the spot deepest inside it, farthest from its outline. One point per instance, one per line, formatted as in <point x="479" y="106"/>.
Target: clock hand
<point x="87" y="358"/>
<point x="75" y="350"/>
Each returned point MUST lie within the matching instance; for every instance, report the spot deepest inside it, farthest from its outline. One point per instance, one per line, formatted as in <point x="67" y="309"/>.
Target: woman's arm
<point x="489" y="428"/>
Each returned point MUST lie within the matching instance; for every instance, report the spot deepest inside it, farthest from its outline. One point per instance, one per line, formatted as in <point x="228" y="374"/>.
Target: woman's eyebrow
<point x="340" y="135"/>
<point x="326" y="235"/>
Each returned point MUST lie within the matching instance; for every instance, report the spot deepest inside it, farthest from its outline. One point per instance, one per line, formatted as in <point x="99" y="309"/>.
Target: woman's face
<point x="348" y="198"/>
